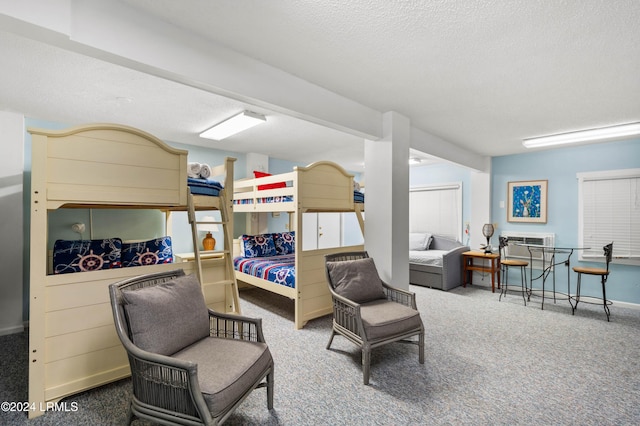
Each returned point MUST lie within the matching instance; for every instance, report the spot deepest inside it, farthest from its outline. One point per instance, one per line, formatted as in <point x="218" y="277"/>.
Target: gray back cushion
<point x="167" y="317"/>
<point x="357" y="280"/>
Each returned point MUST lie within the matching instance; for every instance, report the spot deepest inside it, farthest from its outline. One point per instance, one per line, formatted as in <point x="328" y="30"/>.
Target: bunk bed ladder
<point x="230" y="277"/>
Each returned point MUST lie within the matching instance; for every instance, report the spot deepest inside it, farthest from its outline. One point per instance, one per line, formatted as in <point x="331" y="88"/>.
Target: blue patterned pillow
<point x="285" y="242"/>
<point x="151" y="252"/>
<point x="86" y="255"/>
<point x="258" y="245"/>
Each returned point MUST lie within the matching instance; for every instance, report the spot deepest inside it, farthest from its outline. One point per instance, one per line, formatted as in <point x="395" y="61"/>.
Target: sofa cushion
<point x="167" y="317"/>
<point x="383" y="318"/>
<point x="226" y="368"/>
<point x="357" y="280"/>
<point x="419" y="241"/>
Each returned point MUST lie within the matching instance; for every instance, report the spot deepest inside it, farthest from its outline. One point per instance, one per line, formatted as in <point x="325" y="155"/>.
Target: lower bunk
<point x="300" y="277"/>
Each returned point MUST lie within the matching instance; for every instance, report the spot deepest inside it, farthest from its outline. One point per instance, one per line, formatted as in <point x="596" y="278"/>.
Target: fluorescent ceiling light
<point x="232" y="125"/>
<point x="593" y="135"/>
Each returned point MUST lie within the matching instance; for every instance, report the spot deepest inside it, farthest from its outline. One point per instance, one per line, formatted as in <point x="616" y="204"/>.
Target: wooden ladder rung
<point x="219" y="283"/>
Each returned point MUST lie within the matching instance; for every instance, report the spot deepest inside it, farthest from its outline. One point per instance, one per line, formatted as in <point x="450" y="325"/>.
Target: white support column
<point x="481" y="209"/>
<point x="387" y="200"/>
<point x="11" y="225"/>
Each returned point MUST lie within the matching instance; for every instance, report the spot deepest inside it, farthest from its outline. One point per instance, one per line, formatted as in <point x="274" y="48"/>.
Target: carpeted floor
<point x="487" y="362"/>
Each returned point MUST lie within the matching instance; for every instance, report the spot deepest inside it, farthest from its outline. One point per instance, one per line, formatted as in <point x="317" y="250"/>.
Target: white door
<point x="309" y="231"/>
<point x="329" y="230"/>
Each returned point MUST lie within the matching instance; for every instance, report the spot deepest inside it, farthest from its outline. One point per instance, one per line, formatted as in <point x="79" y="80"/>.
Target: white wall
<point x="11" y="223"/>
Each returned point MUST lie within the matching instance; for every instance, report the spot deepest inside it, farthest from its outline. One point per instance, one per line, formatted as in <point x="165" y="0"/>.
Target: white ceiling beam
<point x="433" y="145"/>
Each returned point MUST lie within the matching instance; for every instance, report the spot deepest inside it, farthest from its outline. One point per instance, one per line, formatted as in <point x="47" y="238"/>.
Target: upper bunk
<point x="111" y="165"/>
<point x="323" y="186"/>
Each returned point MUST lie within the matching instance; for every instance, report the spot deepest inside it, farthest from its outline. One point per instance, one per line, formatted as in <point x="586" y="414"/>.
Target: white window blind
<point x="609" y="209"/>
<point x="436" y="209"/>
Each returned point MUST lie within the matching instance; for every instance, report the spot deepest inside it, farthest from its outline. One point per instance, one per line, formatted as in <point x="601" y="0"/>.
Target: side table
<point x="469" y="266"/>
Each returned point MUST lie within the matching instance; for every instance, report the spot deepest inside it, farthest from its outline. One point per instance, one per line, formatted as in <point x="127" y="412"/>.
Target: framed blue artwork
<point x="527" y="201"/>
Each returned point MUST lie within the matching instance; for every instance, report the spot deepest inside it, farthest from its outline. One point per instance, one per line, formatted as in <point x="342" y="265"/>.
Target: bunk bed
<point x="73" y="345"/>
<point x="321" y="187"/>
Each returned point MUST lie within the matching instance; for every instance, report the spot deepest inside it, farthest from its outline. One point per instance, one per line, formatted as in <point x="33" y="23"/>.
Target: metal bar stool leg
<point x="575" y="306"/>
<point x="505" y="280"/>
<point x="604" y="298"/>
<point x="523" y="283"/>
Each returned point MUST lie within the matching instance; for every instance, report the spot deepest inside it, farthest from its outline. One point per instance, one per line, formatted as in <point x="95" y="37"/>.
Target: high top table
<point x="549" y="262"/>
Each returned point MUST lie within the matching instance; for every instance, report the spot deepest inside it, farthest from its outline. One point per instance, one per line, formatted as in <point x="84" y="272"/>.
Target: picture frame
<point x="527" y="201"/>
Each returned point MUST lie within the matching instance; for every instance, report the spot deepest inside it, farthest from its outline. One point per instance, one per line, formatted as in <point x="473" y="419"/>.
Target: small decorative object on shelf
<point x="208" y="224"/>
<point x="487" y="231"/>
<point x="209" y="243"/>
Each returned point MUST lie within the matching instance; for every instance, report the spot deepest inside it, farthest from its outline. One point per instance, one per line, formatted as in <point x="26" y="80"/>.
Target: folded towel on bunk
<point x="193" y="170"/>
<point x="205" y="183"/>
<point x="199" y="186"/>
<point x="205" y="171"/>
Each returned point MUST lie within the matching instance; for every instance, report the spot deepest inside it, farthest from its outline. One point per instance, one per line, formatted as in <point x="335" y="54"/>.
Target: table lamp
<point x="487" y="231"/>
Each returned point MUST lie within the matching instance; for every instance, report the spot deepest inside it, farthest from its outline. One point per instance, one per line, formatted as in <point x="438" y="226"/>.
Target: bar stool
<point x="505" y="264"/>
<point x="603" y="274"/>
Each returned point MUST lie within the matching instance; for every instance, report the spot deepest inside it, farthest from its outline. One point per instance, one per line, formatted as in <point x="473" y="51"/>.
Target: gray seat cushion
<point x="357" y="280"/>
<point x="226" y="367"/>
<point x="167" y="317"/>
<point x="383" y="318"/>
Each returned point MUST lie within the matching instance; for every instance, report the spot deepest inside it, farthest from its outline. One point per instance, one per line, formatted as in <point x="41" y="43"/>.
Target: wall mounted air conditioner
<point x="516" y="251"/>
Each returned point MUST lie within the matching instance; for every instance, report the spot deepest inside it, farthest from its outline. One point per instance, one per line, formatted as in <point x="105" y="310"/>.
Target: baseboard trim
<point x="11" y="330"/>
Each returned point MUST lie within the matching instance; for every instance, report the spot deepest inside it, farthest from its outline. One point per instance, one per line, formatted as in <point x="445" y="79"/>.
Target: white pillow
<point x="419" y="241"/>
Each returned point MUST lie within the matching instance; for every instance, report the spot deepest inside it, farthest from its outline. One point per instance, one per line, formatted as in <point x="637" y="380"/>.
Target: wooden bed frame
<point x="320" y="187"/>
<point x="73" y="345"/>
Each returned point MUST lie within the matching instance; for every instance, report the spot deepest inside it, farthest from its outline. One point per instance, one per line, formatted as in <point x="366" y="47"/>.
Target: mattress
<point x="277" y="269"/>
<point x="427" y="257"/>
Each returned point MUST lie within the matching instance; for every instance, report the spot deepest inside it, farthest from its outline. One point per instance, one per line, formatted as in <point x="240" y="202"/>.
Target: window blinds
<point x="437" y="210"/>
<point x="610" y="211"/>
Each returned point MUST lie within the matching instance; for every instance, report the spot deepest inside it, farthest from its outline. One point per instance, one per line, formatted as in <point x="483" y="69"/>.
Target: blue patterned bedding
<point x="358" y="197"/>
<point x="278" y="269"/>
<point x="92" y="255"/>
<point x="278" y="199"/>
<point x="204" y="186"/>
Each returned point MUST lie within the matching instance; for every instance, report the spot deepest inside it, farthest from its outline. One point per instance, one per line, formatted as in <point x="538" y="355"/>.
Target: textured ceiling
<point x="481" y="75"/>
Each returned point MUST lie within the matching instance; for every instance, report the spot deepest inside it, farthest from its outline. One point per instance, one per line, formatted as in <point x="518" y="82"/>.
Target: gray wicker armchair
<point x="189" y="364"/>
<point x="366" y="310"/>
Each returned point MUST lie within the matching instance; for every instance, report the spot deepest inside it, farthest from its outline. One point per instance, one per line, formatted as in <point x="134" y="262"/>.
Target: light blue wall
<point x="559" y="167"/>
<point x="434" y="174"/>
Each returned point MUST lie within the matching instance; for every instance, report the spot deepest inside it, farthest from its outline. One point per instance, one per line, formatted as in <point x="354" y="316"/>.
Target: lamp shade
<point x="487" y="230"/>
<point x="209" y="227"/>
